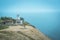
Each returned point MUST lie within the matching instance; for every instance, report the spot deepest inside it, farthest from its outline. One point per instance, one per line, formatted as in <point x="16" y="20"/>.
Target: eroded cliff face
<point x="21" y="33"/>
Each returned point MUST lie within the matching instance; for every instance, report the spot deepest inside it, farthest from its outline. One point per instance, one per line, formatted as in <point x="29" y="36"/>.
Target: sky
<point x="29" y="6"/>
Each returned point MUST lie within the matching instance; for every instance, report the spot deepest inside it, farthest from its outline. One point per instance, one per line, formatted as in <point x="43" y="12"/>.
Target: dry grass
<point x="20" y="33"/>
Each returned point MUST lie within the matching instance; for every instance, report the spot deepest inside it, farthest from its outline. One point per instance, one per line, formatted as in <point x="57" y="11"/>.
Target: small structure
<point x="19" y="20"/>
<point x="7" y="22"/>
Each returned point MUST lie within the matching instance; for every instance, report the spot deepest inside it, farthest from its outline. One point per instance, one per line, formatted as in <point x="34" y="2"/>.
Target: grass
<point x="26" y="23"/>
<point x="3" y="27"/>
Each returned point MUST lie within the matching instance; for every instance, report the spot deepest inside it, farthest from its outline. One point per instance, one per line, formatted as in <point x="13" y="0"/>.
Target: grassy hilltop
<point x="2" y="19"/>
<point x="18" y="32"/>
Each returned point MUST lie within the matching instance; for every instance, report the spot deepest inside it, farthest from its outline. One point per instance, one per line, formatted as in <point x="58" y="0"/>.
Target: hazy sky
<point x="29" y="6"/>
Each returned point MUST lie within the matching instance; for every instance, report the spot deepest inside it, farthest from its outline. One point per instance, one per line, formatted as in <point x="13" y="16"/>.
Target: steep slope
<point x="21" y="33"/>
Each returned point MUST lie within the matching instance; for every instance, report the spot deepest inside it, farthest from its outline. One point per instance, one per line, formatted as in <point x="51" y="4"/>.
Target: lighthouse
<point x="18" y="19"/>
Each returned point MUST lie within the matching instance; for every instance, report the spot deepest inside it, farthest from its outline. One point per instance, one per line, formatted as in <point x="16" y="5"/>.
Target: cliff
<point x="21" y="33"/>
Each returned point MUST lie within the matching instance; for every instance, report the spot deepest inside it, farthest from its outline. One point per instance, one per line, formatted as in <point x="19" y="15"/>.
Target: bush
<point x="3" y="27"/>
<point x="26" y="23"/>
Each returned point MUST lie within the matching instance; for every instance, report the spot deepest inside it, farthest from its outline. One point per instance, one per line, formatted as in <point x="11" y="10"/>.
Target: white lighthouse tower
<point x="18" y="19"/>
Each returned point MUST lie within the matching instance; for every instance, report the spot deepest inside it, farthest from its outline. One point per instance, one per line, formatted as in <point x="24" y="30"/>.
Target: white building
<point x="19" y="20"/>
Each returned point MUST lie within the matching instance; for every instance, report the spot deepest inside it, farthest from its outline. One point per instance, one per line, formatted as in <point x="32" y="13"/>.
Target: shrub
<point x="26" y="23"/>
<point x="3" y="27"/>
